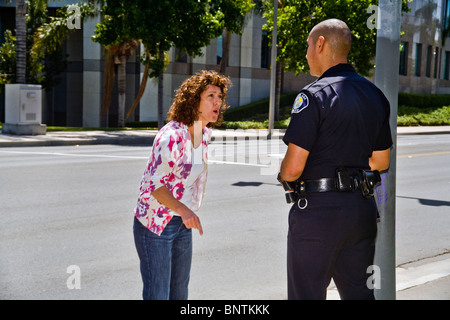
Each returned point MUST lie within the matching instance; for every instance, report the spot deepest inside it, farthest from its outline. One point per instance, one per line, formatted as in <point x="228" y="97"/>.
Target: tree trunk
<point x="109" y="82"/>
<point x="117" y="54"/>
<point x="226" y="44"/>
<point x="21" y="45"/>
<point x="141" y="90"/>
<point x="122" y="86"/>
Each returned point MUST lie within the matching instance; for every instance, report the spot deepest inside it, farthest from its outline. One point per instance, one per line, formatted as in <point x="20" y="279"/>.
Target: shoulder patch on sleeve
<point x="301" y="103"/>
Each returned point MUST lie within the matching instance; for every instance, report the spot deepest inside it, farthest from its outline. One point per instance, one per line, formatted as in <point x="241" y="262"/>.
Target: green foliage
<point x="414" y="116"/>
<point x="8" y="59"/>
<point x="161" y="24"/>
<point x="258" y="109"/>
<point x="245" y="125"/>
<point x="422" y="110"/>
<point x="296" y="18"/>
<point x="282" y="124"/>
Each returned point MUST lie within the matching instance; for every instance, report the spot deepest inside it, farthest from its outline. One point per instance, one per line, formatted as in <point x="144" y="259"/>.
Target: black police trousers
<point x="333" y="238"/>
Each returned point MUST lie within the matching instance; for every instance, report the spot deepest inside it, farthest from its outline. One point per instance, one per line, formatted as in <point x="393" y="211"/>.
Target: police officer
<point x="338" y="137"/>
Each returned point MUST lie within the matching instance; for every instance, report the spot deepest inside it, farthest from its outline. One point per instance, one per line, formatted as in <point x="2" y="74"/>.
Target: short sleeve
<point x="305" y="119"/>
<point x="384" y="139"/>
<point x="166" y="154"/>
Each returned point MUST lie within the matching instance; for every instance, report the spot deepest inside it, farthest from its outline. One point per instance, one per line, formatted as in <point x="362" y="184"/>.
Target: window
<point x="446" y="66"/>
<point x="418" y="62"/>
<point x="429" y="56"/>
<point x="265" y="51"/>
<point x="446" y="20"/>
<point x="180" y="55"/>
<point x="403" y="58"/>
<point x="219" y="49"/>
<point x="436" y="63"/>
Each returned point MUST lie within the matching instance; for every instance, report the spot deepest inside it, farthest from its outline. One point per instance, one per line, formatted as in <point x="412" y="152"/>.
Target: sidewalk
<point x="146" y="137"/>
<point x="427" y="279"/>
<point x="62" y="138"/>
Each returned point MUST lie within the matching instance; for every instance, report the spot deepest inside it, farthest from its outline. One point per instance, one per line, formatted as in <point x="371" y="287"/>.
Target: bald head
<point x="336" y="34"/>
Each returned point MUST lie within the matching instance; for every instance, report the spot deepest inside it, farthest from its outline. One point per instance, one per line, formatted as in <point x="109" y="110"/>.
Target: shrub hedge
<point x="423" y="100"/>
<point x="413" y="110"/>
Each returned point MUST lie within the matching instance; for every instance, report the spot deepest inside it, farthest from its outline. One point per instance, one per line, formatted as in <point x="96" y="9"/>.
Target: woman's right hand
<point x="191" y="220"/>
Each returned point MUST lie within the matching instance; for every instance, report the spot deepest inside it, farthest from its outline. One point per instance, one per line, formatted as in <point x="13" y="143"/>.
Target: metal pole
<point x="386" y="78"/>
<point x="273" y="66"/>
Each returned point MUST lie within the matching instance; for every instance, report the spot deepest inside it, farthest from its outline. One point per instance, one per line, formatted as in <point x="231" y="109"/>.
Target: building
<point x="425" y="48"/>
<point x="77" y="99"/>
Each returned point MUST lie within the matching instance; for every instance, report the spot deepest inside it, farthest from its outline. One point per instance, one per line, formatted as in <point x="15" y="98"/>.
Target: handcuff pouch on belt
<point x="366" y="181"/>
<point x="295" y="191"/>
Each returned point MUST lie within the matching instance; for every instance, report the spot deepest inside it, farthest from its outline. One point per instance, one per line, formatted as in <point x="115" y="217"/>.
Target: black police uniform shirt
<point x="341" y="118"/>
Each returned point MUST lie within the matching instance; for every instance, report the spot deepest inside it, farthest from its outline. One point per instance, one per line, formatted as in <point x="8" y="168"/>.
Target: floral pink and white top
<point x="169" y="165"/>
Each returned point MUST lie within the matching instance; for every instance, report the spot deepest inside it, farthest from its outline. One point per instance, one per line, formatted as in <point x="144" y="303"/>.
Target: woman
<point x="173" y="186"/>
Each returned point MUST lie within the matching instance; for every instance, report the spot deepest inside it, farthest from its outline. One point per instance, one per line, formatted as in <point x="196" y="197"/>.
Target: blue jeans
<point x="165" y="260"/>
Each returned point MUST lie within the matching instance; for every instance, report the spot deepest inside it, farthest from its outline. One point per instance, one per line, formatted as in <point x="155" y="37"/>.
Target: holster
<point x="366" y="181"/>
<point x="369" y="180"/>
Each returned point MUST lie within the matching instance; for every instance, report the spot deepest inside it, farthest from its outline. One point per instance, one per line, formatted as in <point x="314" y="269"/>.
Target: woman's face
<point x="210" y="101"/>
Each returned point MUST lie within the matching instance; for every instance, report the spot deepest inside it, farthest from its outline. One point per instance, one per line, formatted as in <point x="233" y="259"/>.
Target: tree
<point x="22" y="57"/>
<point x="186" y="24"/>
<point x="8" y="59"/>
<point x="117" y="54"/>
<point x="296" y="18"/>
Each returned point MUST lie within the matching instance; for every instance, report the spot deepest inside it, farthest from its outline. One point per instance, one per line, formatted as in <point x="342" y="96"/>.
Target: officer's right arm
<point x="293" y="163"/>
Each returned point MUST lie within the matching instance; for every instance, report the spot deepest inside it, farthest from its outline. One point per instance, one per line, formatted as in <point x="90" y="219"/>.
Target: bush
<point x="258" y="109"/>
<point x="143" y="124"/>
<point x="414" y="116"/>
<point x="244" y="125"/>
<point x="413" y="110"/>
<point x="423" y="100"/>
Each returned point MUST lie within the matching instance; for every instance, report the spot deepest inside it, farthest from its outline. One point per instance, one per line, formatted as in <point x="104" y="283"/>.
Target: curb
<point x="423" y="130"/>
<point x="146" y="138"/>
<point x="148" y="141"/>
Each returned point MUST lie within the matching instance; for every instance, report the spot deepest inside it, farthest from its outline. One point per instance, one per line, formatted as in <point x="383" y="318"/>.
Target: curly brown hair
<point x="187" y="98"/>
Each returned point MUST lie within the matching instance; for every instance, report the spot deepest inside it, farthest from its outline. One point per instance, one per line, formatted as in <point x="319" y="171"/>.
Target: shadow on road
<point x="429" y="202"/>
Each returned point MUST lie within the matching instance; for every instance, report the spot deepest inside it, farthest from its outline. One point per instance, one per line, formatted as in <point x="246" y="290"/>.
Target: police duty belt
<point x="366" y="181"/>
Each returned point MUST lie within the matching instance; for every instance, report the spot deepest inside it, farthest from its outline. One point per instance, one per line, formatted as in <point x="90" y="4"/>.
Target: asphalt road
<point x="66" y="219"/>
<point x="423" y="197"/>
